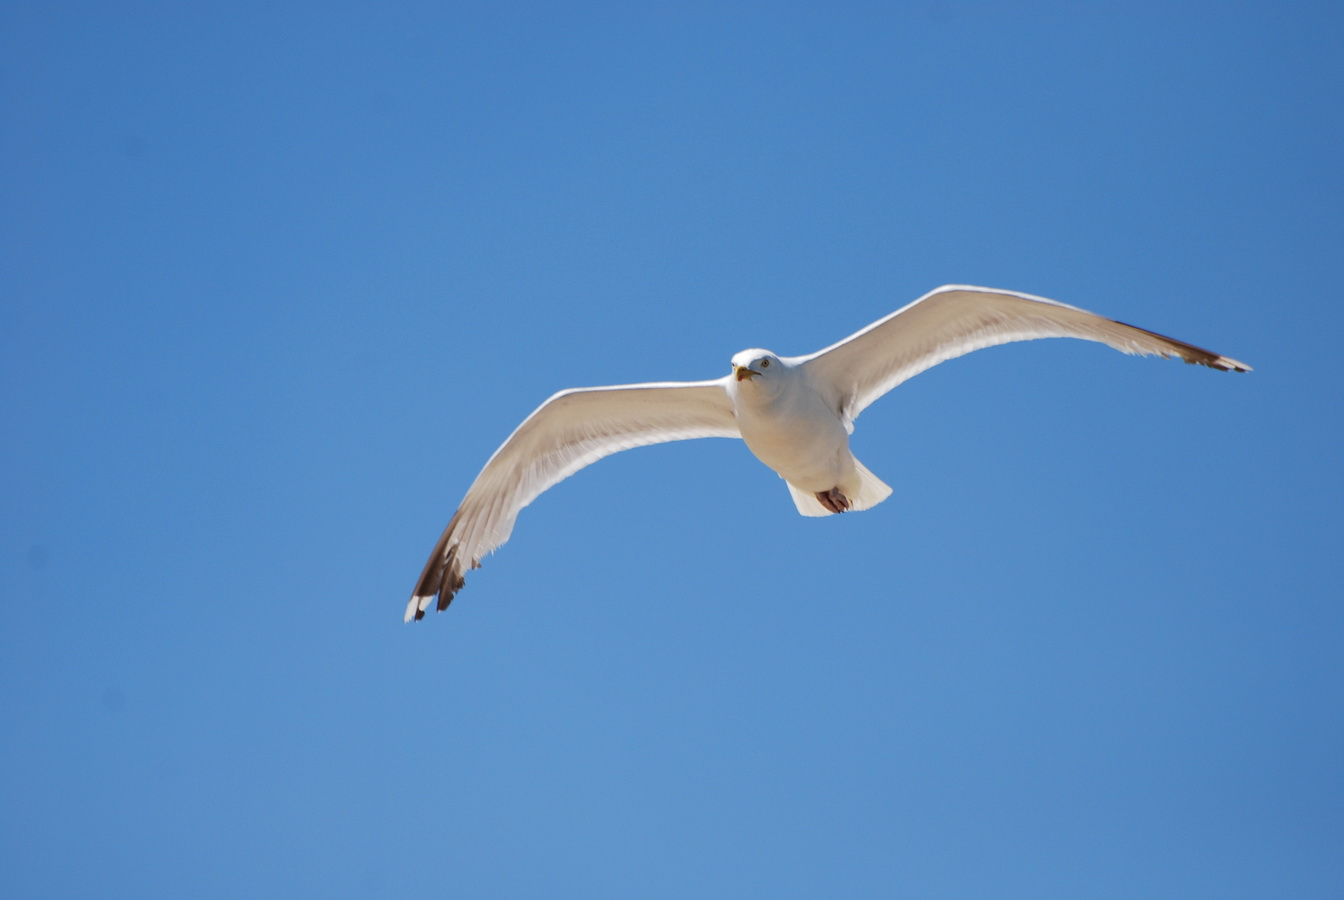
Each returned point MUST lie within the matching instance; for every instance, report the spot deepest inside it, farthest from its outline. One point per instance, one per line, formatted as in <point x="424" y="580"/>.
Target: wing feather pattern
<point x="572" y="429"/>
<point x="954" y="320"/>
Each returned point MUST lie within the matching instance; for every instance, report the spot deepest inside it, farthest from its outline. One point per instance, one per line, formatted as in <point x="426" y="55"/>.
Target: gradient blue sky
<point x="277" y="278"/>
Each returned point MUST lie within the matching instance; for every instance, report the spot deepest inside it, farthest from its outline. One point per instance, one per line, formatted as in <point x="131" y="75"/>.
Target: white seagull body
<point x="795" y="413"/>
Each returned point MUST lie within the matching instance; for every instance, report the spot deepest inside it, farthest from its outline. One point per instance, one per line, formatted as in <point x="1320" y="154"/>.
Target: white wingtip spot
<point x="414" y="607"/>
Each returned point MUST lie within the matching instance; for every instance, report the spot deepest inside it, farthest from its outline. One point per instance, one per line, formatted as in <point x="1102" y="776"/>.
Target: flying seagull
<point x="795" y="413"/>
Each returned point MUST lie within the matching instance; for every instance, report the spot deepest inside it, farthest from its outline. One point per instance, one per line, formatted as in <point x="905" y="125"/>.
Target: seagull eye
<point x="765" y="364"/>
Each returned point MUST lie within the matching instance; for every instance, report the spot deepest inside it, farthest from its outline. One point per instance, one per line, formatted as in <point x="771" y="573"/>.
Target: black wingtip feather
<point x="440" y="577"/>
<point x="1195" y="356"/>
<point x="449" y="581"/>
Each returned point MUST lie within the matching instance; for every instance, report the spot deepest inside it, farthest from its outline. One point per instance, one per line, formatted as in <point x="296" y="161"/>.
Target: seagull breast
<point x="791" y="428"/>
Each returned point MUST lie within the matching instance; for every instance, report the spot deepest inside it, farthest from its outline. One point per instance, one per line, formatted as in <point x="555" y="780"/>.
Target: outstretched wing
<point x="954" y="320"/>
<point x="569" y="431"/>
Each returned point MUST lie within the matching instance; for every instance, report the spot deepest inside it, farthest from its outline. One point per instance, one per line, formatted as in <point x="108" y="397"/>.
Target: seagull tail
<point x="808" y="504"/>
<point x="872" y="491"/>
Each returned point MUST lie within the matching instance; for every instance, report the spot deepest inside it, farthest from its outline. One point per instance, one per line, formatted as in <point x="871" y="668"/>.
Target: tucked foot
<point x="833" y="500"/>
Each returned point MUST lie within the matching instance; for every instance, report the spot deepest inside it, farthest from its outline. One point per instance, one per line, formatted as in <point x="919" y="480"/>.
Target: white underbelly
<point x="812" y="454"/>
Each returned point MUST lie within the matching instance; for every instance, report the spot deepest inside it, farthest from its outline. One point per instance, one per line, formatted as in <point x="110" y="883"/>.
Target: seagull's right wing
<point x="954" y="320"/>
<point x="569" y="431"/>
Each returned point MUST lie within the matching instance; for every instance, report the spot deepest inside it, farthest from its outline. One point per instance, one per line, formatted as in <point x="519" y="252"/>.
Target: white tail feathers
<point x="808" y="504"/>
<point x="872" y="491"/>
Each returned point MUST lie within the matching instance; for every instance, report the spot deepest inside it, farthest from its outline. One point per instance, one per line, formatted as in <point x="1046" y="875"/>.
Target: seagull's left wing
<point x="954" y="320"/>
<point x="569" y="431"/>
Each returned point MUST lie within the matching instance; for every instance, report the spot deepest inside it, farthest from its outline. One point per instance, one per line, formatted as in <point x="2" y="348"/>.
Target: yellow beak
<point x="743" y="373"/>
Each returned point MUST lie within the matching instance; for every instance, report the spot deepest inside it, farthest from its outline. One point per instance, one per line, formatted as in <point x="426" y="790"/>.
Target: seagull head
<point x="753" y="363"/>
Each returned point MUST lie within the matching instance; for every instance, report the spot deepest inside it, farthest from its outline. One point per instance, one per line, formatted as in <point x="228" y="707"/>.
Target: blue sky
<point x="278" y="278"/>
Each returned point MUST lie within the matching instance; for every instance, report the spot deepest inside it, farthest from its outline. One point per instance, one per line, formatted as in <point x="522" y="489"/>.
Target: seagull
<point x="795" y="413"/>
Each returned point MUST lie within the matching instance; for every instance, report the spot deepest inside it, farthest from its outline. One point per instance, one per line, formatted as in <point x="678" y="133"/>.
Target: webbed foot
<point x="833" y="500"/>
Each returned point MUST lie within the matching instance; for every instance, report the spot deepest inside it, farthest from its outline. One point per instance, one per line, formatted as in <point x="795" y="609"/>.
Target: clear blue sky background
<point x="277" y="278"/>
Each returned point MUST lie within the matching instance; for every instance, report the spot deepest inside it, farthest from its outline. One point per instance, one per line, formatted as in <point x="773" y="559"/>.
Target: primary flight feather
<point x="795" y="413"/>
